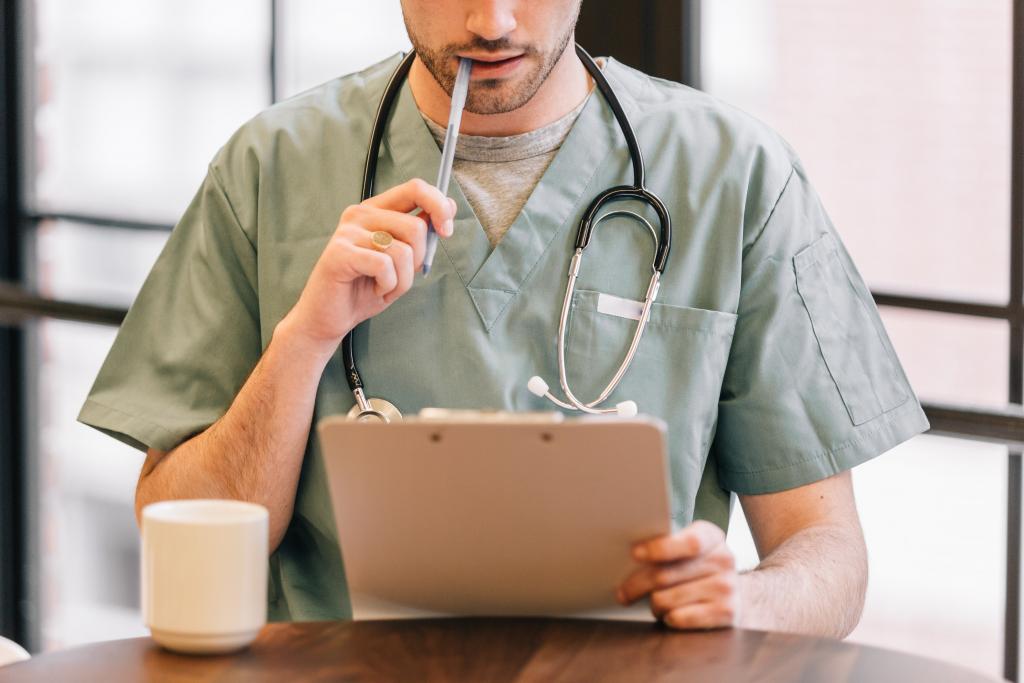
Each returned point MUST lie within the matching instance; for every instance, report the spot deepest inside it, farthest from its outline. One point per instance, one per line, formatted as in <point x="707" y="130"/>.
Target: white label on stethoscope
<point x="623" y="308"/>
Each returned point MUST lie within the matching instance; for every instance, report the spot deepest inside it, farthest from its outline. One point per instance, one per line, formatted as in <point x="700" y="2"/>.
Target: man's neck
<point x="566" y="86"/>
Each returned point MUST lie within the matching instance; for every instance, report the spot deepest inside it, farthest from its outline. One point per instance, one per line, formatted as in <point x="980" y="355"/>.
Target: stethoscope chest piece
<point x="374" y="410"/>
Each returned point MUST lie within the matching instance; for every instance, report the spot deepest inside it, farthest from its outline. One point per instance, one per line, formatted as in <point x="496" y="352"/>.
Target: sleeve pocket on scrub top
<point x="861" y="365"/>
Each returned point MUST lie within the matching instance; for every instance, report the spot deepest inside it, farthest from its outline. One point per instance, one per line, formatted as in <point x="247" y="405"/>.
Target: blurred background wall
<point x="903" y="115"/>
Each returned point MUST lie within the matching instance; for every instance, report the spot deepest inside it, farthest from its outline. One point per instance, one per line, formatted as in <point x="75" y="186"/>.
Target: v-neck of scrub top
<point x="493" y="277"/>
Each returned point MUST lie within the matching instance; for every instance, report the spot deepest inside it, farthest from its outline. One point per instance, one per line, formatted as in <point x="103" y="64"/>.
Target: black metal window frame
<point x="663" y="37"/>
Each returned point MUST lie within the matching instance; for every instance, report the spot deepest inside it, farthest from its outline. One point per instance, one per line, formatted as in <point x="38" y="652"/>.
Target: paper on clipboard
<point x="501" y="518"/>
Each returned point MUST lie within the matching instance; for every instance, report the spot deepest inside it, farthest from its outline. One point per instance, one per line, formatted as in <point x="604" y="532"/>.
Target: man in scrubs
<point x="765" y="355"/>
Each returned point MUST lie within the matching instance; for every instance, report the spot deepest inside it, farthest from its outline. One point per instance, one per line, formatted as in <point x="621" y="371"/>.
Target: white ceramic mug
<point x="204" y="573"/>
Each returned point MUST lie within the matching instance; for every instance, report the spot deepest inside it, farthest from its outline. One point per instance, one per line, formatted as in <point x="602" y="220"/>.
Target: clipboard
<point x="504" y="516"/>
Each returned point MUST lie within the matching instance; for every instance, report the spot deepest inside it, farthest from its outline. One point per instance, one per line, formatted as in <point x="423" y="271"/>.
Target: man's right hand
<point x="352" y="281"/>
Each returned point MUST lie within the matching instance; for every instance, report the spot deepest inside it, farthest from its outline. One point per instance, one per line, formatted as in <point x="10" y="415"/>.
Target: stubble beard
<point x="492" y="95"/>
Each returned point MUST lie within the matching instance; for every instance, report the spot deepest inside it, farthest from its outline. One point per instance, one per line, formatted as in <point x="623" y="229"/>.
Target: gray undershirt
<point x="498" y="174"/>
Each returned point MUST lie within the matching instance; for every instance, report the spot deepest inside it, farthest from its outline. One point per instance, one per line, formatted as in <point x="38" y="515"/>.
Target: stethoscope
<point x="379" y="409"/>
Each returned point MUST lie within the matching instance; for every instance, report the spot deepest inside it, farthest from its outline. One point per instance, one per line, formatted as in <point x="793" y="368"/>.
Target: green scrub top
<point x="765" y="355"/>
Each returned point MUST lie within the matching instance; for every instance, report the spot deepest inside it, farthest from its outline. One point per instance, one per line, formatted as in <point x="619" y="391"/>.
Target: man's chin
<point x="497" y="96"/>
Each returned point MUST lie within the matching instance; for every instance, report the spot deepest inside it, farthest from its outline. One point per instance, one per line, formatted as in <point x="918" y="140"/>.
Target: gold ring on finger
<point x="381" y="240"/>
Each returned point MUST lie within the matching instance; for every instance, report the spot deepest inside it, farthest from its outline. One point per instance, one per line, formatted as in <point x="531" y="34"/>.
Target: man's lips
<point x="494" y="66"/>
<point x="490" y="56"/>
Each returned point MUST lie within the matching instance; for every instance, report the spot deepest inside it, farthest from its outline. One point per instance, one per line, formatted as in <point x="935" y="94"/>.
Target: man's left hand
<point x="690" y="577"/>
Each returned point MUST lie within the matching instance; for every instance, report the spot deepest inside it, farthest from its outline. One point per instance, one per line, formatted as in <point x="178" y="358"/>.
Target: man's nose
<point x="492" y="19"/>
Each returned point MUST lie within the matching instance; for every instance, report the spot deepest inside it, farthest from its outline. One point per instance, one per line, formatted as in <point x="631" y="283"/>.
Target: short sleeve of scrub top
<point x="191" y="337"/>
<point x="813" y="386"/>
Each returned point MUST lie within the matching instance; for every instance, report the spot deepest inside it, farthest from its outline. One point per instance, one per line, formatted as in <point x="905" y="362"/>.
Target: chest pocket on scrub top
<point x="679" y="363"/>
<point x="860" y="363"/>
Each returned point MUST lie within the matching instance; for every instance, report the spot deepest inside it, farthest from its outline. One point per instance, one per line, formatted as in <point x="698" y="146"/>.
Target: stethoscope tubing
<point x="662" y="238"/>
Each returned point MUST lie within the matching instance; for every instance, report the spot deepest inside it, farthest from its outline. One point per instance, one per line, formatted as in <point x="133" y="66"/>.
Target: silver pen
<point x="451" y="136"/>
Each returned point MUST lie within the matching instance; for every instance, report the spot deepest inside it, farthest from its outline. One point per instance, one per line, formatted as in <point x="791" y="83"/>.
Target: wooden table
<point x="495" y="650"/>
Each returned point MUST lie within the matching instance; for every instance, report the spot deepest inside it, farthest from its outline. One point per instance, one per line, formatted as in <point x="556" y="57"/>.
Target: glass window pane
<point x="901" y="113"/>
<point x="92" y="264"/>
<point x="932" y="346"/>
<point x="134" y="98"/>
<point x="89" y="562"/>
<point x="937" y="573"/>
<point x="324" y="39"/>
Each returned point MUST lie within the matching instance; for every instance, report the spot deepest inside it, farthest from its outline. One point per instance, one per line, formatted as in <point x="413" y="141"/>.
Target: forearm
<point x="255" y="451"/>
<point x="813" y="583"/>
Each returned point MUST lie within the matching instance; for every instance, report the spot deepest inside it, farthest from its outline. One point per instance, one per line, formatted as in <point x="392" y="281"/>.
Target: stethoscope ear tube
<point x="635" y="155"/>
<point x="571" y="401"/>
<point x="663" y="239"/>
<point x="380" y="120"/>
<point x="386" y="105"/>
